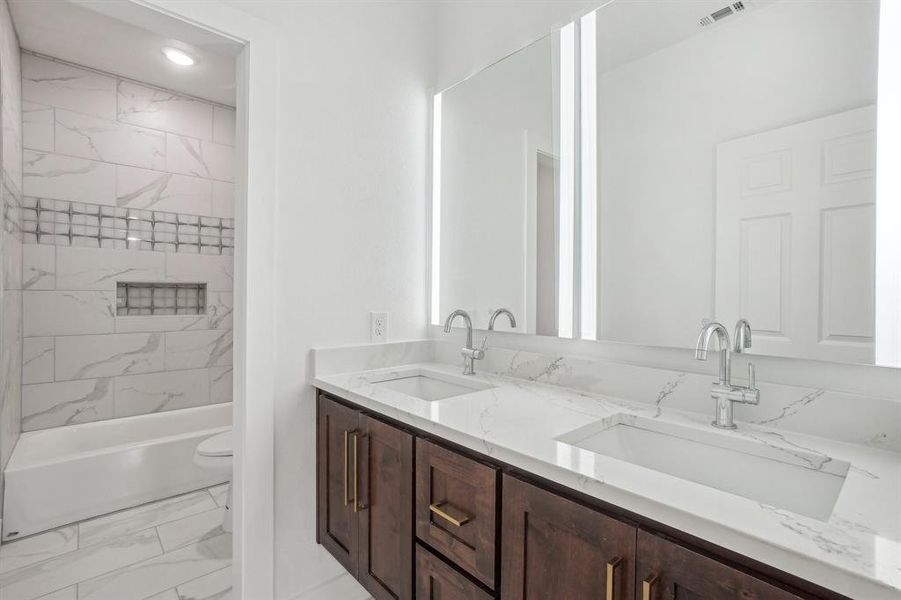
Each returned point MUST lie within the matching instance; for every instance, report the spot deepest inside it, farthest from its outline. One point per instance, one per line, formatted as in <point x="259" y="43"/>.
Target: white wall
<point x="484" y="218"/>
<point x="659" y="120"/>
<point x="10" y="240"/>
<point x="105" y="143"/>
<point x="351" y="204"/>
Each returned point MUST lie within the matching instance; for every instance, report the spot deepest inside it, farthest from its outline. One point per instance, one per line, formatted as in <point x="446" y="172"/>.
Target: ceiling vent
<point x="719" y="15"/>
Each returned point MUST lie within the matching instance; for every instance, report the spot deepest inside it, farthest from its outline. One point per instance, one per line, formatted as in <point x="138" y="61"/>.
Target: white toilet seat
<point x="215" y="453"/>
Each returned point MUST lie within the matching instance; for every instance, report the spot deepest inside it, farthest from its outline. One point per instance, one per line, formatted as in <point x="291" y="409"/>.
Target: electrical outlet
<point x="378" y="327"/>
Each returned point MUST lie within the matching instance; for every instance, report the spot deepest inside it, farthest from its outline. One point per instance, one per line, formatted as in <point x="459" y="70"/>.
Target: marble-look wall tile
<point x="216" y="271"/>
<point x="68" y="313"/>
<point x="221" y="386"/>
<point x="82" y="356"/>
<point x="219" y="309"/>
<point x="11" y="250"/>
<point x="101" y="268"/>
<point x="142" y="188"/>
<point x="37" y="359"/>
<point x="164" y="110"/>
<point x="158" y="392"/>
<point x="223" y="199"/>
<point x="198" y="349"/>
<point x="61" y="177"/>
<point x="64" y="403"/>
<point x="137" y="324"/>
<point x="224" y="125"/>
<point x="38" y="267"/>
<point x="10" y="372"/>
<point x="65" y="86"/>
<point x="199" y="158"/>
<point x="37" y="126"/>
<point x="108" y="141"/>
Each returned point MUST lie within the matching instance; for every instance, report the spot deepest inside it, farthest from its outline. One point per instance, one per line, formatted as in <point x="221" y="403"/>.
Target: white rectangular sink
<point x="430" y="385"/>
<point x="780" y="475"/>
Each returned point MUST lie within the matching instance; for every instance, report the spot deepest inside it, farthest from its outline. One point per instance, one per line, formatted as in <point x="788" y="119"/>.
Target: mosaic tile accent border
<point x="64" y="223"/>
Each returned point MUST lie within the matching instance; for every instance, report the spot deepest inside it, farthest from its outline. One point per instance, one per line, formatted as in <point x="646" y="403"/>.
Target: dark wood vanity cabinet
<point x="365" y="498"/>
<point x="556" y="548"/>
<point x="669" y="571"/>
<point x="410" y="517"/>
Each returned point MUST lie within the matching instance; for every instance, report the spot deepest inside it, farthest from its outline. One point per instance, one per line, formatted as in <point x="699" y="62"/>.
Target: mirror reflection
<point x="734" y="150"/>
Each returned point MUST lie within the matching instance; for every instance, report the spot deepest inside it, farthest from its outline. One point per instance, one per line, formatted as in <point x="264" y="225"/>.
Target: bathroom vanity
<point x="435" y="485"/>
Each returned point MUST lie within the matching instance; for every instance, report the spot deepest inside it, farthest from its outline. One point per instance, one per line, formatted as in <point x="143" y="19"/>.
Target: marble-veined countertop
<point x="857" y="552"/>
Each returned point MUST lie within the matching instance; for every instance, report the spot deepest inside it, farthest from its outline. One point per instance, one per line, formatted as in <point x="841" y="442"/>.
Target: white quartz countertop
<point x="857" y="552"/>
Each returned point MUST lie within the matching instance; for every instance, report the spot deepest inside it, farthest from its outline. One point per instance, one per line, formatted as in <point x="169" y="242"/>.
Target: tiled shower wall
<point x="10" y="238"/>
<point x="122" y="182"/>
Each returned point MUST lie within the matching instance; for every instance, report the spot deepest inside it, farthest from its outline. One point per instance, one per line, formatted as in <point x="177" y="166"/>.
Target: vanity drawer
<point x="436" y="580"/>
<point x="456" y="506"/>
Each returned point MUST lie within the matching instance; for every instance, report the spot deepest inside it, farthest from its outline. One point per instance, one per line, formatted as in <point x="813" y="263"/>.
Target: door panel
<point x="678" y="573"/>
<point x="385" y="471"/>
<point x="436" y="580"/>
<point x="337" y="523"/>
<point x="556" y="548"/>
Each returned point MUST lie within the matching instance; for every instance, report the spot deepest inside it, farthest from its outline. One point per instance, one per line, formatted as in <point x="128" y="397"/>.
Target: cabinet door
<point x="556" y="548"/>
<point x="436" y="580"/>
<point x="385" y="510"/>
<point x="337" y="524"/>
<point x="668" y="571"/>
<point x="456" y="506"/>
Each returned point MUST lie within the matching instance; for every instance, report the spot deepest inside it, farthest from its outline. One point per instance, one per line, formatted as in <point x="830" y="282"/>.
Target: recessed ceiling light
<point x="179" y="57"/>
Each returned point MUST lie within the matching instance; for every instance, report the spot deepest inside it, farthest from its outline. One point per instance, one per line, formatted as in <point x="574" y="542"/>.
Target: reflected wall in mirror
<point x="498" y="193"/>
<point x="731" y="174"/>
<point x="736" y="165"/>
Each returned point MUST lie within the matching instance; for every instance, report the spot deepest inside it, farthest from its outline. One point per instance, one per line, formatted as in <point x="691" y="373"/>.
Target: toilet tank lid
<point x="218" y="445"/>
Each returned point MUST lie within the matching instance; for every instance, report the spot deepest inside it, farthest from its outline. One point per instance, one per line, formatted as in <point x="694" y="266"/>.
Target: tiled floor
<point x="173" y="549"/>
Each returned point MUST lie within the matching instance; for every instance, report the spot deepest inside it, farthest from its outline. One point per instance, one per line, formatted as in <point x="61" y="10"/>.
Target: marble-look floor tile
<point x="37" y="548"/>
<point x="69" y="593"/>
<point x="215" y="586"/>
<point x="160" y="573"/>
<point x="190" y="530"/>
<point x="108" y="527"/>
<point x="219" y="494"/>
<point x="344" y="586"/>
<point x="167" y="595"/>
<point x="67" y="569"/>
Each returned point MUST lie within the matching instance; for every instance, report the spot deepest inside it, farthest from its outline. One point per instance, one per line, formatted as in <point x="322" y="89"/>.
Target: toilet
<point x="215" y="454"/>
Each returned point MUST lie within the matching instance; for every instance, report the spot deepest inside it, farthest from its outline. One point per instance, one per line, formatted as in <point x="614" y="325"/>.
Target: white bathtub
<point x="62" y="475"/>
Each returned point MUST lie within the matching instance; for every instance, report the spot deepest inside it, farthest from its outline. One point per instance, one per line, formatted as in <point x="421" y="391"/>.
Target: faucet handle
<point x="484" y="345"/>
<point x="752" y="376"/>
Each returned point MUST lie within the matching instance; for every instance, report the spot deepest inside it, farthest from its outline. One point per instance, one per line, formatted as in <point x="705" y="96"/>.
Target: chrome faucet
<point x="723" y="391"/>
<point x="470" y="354"/>
<point x="742" y="336"/>
<point x="499" y="312"/>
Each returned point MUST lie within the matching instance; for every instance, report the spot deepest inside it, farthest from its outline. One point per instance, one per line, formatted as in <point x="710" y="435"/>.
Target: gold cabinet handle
<point x="346" y="498"/>
<point x="647" y="586"/>
<point x="612" y="564"/>
<point x="356" y="472"/>
<point x="436" y="508"/>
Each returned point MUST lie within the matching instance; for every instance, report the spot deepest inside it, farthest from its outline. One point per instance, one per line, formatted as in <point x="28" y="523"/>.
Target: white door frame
<point x="256" y="171"/>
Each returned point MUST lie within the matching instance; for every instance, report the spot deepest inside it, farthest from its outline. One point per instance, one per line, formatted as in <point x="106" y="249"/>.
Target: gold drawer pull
<point x="456" y="522"/>
<point x="647" y="586"/>
<point x="357" y="505"/>
<point x="612" y="564"/>
<point x="346" y="498"/>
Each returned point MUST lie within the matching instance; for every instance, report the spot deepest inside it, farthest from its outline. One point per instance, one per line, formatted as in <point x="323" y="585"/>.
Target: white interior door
<point x="795" y="236"/>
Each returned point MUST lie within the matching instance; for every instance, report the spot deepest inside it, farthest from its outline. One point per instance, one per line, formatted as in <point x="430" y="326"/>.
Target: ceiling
<point x="124" y="38"/>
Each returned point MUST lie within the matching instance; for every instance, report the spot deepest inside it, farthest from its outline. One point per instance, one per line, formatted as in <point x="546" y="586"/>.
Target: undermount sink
<point x="430" y="385"/>
<point x="783" y="476"/>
